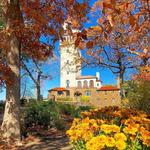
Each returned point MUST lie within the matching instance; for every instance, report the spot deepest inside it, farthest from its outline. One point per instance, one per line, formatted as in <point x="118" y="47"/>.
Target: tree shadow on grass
<point x="48" y="143"/>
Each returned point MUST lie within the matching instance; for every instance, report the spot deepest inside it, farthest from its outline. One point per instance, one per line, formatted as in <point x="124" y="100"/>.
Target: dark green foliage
<point x="44" y="114"/>
<point x="72" y="110"/>
<point x="47" y="114"/>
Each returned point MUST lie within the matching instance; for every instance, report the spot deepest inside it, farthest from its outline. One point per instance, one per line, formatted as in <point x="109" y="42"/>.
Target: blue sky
<point x="53" y="68"/>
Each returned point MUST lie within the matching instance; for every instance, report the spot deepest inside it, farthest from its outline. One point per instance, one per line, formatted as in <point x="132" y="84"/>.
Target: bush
<point x="66" y="109"/>
<point x="85" y="99"/>
<point x="111" y="128"/>
<point x="43" y="113"/>
<point x="72" y="110"/>
<point x="138" y="95"/>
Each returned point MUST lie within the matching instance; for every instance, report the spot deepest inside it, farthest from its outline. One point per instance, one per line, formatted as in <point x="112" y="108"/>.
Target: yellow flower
<point x="121" y="145"/>
<point x="120" y="136"/>
<point x="110" y="142"/>
<point x="86" y="120"/>
<point x="106" y="128"/>
<point x="110" y="128"/>
<point x="115" y="128"/>
<point x="102" y="138"/>
<point x="131" y="129"/>
<point x="146" y="142"/>
<point x="96" y="143"/>
<point x="86" y="136"/>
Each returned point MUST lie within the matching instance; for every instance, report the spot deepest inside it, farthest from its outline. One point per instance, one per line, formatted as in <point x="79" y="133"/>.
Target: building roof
<point x="97" y="80"/>
<point x="85" y="77"/>
<point x="58" y="89"/>
<point x="108" y="88"/>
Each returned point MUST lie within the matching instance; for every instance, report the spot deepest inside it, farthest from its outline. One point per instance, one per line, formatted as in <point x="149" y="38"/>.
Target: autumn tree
<point x="25" y="22"/>
<point x="119" y="38"/>
<point x="138" y="90"/>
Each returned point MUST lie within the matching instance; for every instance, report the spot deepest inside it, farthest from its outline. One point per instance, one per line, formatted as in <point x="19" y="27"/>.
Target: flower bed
<point x="111" y="128"/>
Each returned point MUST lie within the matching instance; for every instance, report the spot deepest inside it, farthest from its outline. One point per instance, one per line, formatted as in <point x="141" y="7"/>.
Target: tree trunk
<point x="11" y="120"/>
<point x="38" y="87"/>
<point x="120" y="82"/>
<point x="38" y="92"/>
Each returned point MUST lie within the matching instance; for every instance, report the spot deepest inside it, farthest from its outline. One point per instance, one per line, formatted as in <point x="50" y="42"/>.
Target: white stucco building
<point x="77" y="87"/>
<point x="70" y="65"/>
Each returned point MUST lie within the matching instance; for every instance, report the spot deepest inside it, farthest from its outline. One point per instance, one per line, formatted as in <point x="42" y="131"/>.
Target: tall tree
<point x="25" y="23"/>
<point x="122" y="28"/>
<point x="36" y="74"/>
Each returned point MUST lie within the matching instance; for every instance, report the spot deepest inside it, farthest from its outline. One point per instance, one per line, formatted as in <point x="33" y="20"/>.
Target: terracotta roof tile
<point x="86" y="77"/>
<point x="58" y="89"/>
<point x="108" y="88"/>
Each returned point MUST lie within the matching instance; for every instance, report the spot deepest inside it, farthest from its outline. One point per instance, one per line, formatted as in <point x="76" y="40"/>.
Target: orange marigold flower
<point x="131" y="129"/>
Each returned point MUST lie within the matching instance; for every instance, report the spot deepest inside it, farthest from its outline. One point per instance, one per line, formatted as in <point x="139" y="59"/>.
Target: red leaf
<point x="89" y="44"/>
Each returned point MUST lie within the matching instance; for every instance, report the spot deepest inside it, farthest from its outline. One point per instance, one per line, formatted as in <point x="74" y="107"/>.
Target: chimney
<point x="98" y="75"/>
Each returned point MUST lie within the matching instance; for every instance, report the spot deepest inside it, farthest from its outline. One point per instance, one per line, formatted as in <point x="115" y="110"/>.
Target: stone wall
<point x="97" y="98"/>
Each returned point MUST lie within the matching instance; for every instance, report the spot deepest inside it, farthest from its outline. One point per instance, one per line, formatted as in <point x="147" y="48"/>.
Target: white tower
<point x="70" y="63"/>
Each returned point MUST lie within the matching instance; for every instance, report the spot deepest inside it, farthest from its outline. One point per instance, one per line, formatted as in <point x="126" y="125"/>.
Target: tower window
<point x="67" y="72"/>
<point x="67" y="62"/>
<point x="87" y="93"/>
<point x="67" y="83"/>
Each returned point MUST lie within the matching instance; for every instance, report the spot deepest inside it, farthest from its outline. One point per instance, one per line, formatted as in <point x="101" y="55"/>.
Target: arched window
<point x="85" y="84"/>
<point x="79" y="84"/>
<point x="91" y="83"/>
<point x="67" y="83"/>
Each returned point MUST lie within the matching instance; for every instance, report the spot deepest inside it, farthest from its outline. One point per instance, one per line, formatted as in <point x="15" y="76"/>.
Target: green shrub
<point x="84" y="98"/>
<point x="64" y="99"/>
<point x="66" y="109"/>
<point x="72" y="110"/>
<point x="138" y="94"/>
<point x="42" y="113"/>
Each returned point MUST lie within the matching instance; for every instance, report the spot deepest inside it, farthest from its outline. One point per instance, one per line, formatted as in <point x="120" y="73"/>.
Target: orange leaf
<point x="132" y="20"/>
<point x="89" y="44"/>
<point x="106" y="5"/>
<point x="77" y="42"/>
<point x="100" y="20"/>
<point x="97" y="29"/>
